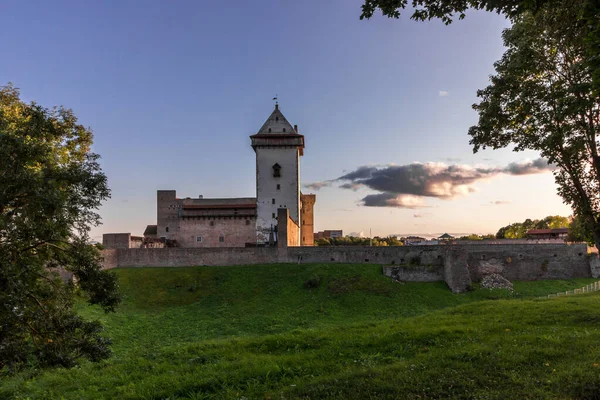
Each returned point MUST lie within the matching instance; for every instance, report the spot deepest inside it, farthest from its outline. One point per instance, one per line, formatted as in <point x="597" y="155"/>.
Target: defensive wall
<point x="458" y="265"/>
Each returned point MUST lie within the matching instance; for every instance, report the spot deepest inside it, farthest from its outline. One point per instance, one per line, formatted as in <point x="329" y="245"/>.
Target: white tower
<point x="278" y="148"/>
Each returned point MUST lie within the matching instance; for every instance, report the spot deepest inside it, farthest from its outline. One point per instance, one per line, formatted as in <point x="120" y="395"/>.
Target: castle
<point x="240" y="222"/>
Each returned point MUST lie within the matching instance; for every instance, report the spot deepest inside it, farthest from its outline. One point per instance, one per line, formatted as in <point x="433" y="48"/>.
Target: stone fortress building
<point x="247" y="221"/>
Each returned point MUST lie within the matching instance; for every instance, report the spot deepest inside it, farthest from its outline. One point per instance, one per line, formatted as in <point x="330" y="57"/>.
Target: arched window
<point x="276" y="170"/>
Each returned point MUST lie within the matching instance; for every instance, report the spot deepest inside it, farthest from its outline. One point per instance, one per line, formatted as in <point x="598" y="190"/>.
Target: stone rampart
<point x="415" y="273"/>
<point x="460" y="264"/>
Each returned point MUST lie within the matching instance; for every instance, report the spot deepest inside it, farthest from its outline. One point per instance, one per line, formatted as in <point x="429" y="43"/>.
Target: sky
<point x="172" y="90"/>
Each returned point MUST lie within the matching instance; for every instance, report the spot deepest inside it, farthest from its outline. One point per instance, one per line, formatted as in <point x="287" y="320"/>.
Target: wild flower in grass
<point x="547" y="364"/>
<point x="507" y="330"/>
<point x="596" y="365"/>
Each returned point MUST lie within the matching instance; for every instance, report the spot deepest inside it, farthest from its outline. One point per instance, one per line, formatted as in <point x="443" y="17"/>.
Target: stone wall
<point x="527" y="262"/>
<point x="288" y="232"/>
<point x="182" y="257"/>
<point x="217" y="232"/>
<point x="460" y="264"/>
<point x="414" y="273"/>
<point x="307" y="229"/>
<point x="116" y="240"/>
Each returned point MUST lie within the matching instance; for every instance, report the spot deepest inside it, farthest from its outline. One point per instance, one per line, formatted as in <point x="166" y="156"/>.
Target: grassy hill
<point x="259" y="332"/>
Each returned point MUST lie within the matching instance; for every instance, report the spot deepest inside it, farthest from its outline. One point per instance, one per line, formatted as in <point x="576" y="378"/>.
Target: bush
<point x="313" y="282"/>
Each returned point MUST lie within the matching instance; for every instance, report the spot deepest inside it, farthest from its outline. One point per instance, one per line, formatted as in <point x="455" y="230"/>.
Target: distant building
<point x="540" y="234"/>
<point x="413" y="240"/>
<point x="445" y="236"/>
<point x="329" y="234"/>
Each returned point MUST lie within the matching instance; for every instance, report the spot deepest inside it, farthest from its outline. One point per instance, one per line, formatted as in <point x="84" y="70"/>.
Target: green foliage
<point x="474" y="236"/>
<point x="545" y="95"/>
<point x="357" y="241"/>
<point x="50" y="186"/>
<point x="313" y="282"/>
<point x="255" y="332"/>
<point x="518" y="230"/>
<point x="542" y="99"/>
<point x="581" y="231"/>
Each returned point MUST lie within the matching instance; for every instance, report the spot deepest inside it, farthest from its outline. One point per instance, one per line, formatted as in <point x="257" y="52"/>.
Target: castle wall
<point x="288" y="232"/>
<point x="116" y="240"/>
<point x="288" y="194"/>
<point x="234" y="231"/>
<point x="307" y="230"/>
<point x="167" y="210"/>
<point x="515" y="262"/>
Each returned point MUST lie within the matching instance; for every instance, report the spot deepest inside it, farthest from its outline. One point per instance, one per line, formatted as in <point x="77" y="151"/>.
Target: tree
<point x="579" y="231"/>
<point x="50" y="186"/>
<point x="541" y="98"/>
<point x="518" y="230"/>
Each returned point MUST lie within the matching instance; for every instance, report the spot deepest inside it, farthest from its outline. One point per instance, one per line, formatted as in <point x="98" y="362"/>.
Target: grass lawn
<point x="255" y="332"/>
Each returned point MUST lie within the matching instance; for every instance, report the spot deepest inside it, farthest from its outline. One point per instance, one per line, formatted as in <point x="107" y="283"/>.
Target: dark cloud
<point x="406" y="186"/>
<point x="351" y="186"/>
<point x="317" y="185"/>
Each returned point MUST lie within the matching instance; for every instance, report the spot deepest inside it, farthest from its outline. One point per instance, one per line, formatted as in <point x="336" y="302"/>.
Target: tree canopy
<point x="50" y="186"/>
<point x="518" y="230"/>
<point x="541" y="98"/>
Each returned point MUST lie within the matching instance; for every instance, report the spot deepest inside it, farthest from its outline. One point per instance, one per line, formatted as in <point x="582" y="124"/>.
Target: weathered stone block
<point x="456" y="270"/>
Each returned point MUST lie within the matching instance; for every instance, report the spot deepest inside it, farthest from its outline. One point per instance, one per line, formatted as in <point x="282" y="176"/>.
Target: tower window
<point x="167" y="229"/>
<point x="273" y="215"/>
<point x="269" y="130"/>
<point x="283" y="129"/>
<point x="272" y="201"/>
<point x="198" y="239"/>
<point x="276" y="170"/>
<point x="221" y="239"/>
<point x="278" y="186"/>
<point x="276" y="118"/>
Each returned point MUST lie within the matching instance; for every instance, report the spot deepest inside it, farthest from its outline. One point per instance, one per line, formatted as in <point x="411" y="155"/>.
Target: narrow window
<point x="284" y="130"/>
<point x="272" y="202"/>
<point x="167" y="229"/>
<point x="273" y="215"/>
<point x="276" y="118"/>
<point x="198" y="239"/>
<point x="221" y="239"/>
<point x="276" y="170"/>
<point x="278" y="186"/>
<point x="269" y="130"/>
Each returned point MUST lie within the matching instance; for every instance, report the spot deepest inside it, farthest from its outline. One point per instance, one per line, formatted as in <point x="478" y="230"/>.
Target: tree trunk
<point x="597" y="238"/>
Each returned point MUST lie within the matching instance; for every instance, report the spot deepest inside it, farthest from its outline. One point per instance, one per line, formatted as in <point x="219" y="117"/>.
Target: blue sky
<point x="172" y="91"/>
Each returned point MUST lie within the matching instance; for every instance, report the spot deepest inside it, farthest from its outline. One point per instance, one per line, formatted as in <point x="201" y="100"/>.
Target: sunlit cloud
<point x="406" y="186"/>
<point x="444" y="93"/>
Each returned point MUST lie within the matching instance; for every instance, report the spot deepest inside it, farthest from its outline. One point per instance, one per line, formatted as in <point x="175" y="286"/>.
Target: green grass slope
<point x="256" y="332"/>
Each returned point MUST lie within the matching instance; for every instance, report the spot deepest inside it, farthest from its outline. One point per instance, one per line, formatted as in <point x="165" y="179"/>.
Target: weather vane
<point x="276" y="101"/>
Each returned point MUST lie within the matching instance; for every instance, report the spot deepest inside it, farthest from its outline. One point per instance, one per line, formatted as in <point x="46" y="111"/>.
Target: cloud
<point x="444" y="93"/>
<point x="418" y="215"/>
<point x="392" y="200"/>
<point x="352" y="186"/>
<point x="317" y="185"/>
<point x="500" y="202"/>
<point x="406" y="186"/>
<point x="453" y="159"/>
<point x="528" y="167"/>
